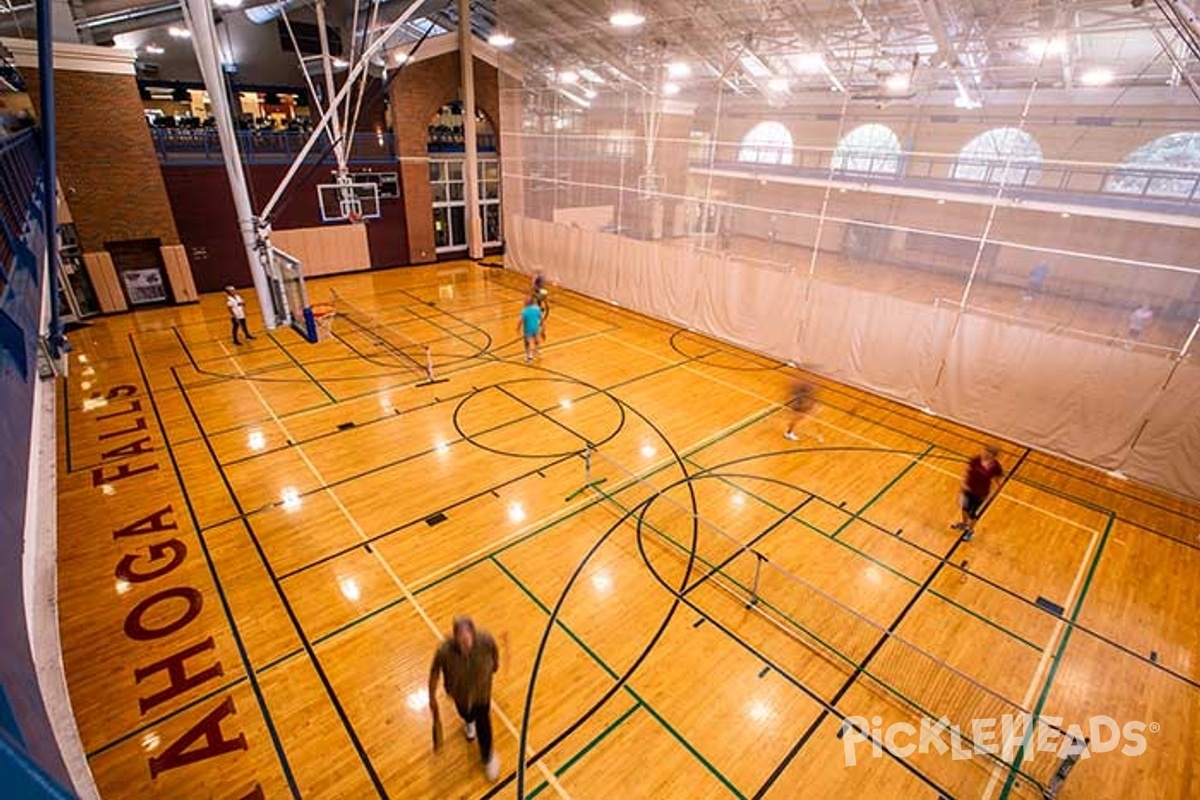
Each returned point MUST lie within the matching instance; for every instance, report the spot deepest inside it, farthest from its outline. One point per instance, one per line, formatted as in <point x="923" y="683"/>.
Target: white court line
<point x="408" y="595"/>
<point x="1043" y="663"/>
<point x="924" y="464"/>
<point x="1047" y="653"/>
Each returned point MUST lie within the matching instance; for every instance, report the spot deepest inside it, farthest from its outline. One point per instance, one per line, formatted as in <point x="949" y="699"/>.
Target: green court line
<point x="1062" y="647"/>
<point x="882" y="565"/>
<point x="562" y="770"/>
<point x="629" y="689"/>
<point x="874" y="499"/>
<point x="905" y="699"/>
<point x="214" y="574"/>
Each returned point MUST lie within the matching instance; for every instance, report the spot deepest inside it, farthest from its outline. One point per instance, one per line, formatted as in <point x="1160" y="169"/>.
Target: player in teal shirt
<point x="531" y="326"/>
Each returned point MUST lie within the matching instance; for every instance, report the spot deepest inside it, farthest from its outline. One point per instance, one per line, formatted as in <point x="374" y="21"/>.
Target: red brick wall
<point x="419" y="91"/>
<point x="106" y="160"/>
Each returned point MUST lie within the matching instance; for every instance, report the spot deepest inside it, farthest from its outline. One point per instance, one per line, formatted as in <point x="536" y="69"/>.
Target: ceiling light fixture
<point x="626" y="18"/>
<point x="340" y="63"/>
<point x="400" y="58"/>
<point x="778" y="84"/>
<point x="678" y="69"/>
<point x="568" y="77"/>
<point x="1097" y="77"/>
<point x="499" y="39"/>
<point x="227" y="3"/>
<point x="179" y="33"/>
<point x="670" y="89"/>
<point x="897" y="82"/>
<point x="590" y="94"/>
<point x="154" y="49"/>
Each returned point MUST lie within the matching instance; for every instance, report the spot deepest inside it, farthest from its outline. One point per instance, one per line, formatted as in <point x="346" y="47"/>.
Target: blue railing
<point x="201" y="145"/>
<point x="20" y="160"/>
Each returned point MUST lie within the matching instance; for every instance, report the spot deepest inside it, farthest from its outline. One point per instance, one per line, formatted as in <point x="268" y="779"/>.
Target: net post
<point x="588" y="483"/>
<point x="759" y="558"/>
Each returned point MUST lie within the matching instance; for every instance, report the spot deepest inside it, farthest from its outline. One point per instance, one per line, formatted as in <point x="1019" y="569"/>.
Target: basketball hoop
<point x="354" y="217"/>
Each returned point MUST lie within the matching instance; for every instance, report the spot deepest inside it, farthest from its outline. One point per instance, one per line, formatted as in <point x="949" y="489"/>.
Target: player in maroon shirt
<point x="977" y="486"/>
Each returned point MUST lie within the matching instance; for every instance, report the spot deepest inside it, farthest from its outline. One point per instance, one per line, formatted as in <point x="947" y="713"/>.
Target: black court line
<point x="247" y="666"/>
<point x="287" y="352"/>
<point x="883" y="639"/>
<point x="965" y="432"/>
<point x="287" y="606"/>
<point x="637" y="512"/>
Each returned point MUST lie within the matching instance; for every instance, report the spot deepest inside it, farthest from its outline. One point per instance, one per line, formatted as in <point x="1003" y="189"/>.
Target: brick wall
<point x="106" y="161"/>
<point x="420" y="90"/>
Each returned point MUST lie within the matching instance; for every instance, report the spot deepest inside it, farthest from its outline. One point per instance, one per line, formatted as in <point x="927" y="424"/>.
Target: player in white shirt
<point x="237" y="313"/>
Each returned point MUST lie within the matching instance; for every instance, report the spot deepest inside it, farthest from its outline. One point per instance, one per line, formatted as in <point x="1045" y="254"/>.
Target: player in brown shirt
<point x="466" y="661"/>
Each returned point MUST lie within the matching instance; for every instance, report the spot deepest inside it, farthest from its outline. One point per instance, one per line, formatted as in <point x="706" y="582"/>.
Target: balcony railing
<point x="1165" y="190"/>
<point x="200" y="145"/>
<point x="20" y="160"/>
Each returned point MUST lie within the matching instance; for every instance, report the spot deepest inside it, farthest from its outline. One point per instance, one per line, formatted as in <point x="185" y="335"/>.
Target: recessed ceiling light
<point x="627" y="18"/>
<point x="179" y="33"/>
<point x="154" y="50"/>
<point x="897" y="82"/>
<point x="778" y="84"/>
<point x="568" y="76"/>
<point x="671" y="89"/>
<point x="499" y="39"/>
<point x="1097" y="77"/>
<point x="678" y="69"/>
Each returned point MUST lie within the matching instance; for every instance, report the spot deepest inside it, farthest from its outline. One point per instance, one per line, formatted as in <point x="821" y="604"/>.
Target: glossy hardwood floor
<point x="262" y="544"/>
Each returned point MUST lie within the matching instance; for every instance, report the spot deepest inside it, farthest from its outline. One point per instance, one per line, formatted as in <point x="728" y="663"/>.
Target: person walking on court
<point x="466" y="661"/>
<point x="530" y="326"/>
<point x="237" y="313"/>
<point x="800" y="403"/>
<point x="1138" y="320"/>
<point x="976" y="488"/>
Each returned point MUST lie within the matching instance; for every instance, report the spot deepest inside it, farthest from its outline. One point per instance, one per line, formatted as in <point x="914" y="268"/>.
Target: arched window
<point x="1148" y="169"/>
<point x="873" y="149"/>
<point x="1007" y="155"/>
<point x="767" y="143"/>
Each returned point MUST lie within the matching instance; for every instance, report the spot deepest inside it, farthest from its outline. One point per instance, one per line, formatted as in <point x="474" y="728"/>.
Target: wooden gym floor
<point x="260" y="546"/>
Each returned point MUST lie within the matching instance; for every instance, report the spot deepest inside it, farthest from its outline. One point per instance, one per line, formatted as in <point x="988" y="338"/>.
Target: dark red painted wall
<point x="204" y="214"/>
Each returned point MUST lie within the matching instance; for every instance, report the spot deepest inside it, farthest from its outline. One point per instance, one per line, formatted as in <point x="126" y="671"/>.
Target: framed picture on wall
<point x="144" y="286"/>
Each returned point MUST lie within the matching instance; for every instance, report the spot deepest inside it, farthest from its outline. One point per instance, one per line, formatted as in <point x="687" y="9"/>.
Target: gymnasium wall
<point x="920" y="290"/>
<point x="203" y="210"/>
<point x="108" y="170"/>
